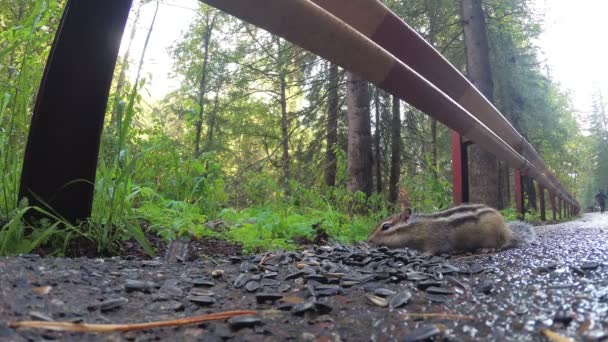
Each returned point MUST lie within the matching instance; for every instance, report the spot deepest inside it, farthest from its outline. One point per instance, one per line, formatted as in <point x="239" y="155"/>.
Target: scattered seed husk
<point x="378" y="301"/>
<point x="422" y="334"/>
<point x="239" y="322"/>
<point x="400" y="299"/>
<point x="382" y="292"/>
<point x="201" y="300"/>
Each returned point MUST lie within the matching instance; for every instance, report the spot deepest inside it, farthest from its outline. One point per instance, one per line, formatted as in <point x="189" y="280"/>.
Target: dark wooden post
<point x="559" y="209"/>
<point x="460" y="169"/>
<point x="63" y="143"/>
<point x="541" y="193"/>
<point x="519" y="195"/>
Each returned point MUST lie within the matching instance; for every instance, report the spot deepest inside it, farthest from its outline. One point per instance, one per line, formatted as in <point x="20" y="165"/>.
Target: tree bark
<point x="210" y="23"/>
<point x="434" y="161"/>
<point x="483" y="175"/>
<point x="410" y="120"/>
<point x="393" y="192"/>
<point x="284" y="118"/>
<point x="213" y="119"/>
<point x="359" y="135"/>
<point x="332" y="126"/>
<point x="378" y="156"/>
<point x="432" y="13"/>
<point x="530" y="192"/>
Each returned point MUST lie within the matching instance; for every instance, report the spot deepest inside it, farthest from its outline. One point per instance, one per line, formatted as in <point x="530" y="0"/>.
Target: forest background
<point x="251" y="143"/>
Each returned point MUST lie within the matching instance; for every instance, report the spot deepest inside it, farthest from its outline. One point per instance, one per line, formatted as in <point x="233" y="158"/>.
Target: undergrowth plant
<point x="23" y="51"/>
<point x="428" y="192"/>
<point x="278" y="224"/>
<point x="150" y="181"/>
<point x="24" y="47"/>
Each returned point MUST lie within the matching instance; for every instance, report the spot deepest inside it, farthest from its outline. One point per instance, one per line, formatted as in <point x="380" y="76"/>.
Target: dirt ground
<point x="330" y="293"/>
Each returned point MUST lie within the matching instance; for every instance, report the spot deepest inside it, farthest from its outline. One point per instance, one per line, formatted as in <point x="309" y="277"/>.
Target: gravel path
<point x="330" y="293"/>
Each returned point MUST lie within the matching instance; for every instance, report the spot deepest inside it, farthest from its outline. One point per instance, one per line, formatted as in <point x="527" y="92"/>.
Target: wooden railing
<point x="360" y="35"/>
<point x="365" y="37"/>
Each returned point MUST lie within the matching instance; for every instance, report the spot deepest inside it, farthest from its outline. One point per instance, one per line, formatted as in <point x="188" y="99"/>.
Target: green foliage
<point x="278" y="225"/>
<point x="113" y="218"/>
<point x="170" y="218"/>
<point x="261" y="97"/>
<point x="429" y="193"/>
<point x="19" y="237"/>
<point x="510" y="214"/>
<point x="24" y="45"/>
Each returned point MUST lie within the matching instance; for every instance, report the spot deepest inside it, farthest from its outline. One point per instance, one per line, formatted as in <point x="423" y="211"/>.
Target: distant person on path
<point x="601" y="200"/>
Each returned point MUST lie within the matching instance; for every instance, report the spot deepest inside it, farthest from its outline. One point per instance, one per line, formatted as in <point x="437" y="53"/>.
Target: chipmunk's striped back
<point x="464" y="208"/>
<point x="466" y="227"/>
<point x="456" y="216"/>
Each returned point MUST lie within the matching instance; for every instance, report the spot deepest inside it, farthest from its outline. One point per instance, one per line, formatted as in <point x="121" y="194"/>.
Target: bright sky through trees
<point x="572" y="45"/>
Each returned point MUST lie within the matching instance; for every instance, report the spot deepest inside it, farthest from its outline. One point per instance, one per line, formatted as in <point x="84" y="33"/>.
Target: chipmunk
<point x="464" y="228"/>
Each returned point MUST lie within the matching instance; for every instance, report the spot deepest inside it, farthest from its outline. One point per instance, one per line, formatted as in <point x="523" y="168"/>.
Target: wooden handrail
<point x="305" y="23"/>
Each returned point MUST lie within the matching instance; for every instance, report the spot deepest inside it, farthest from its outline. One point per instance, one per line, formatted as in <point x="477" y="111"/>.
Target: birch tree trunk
<point x="210" y="23"/>
<point x="284" y="118"/>
<point x="377" y="149"/>
<point x="359" y="135"/>
<point x="393" y="192"/>
<point x="332" y="126"/>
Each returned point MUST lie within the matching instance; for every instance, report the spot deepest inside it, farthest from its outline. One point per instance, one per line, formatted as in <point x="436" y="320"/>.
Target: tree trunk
<point x="332" y="126"/>
<point x="284" y="118"/>
<point x="432" y="13"/>
<point x="378" y="157"/>
<point x="393" y="192"/>
<point x="213" y="119"/>
<point x="359" y="135"/>
<point x="410" y="120"/>
<point x="504" y="183"/>
<point x="203" y="83"/>
<point x="530" y="192"/>
<point x="483" y="176"/>
<point x="120" y="83"/>
<point x="434" y="161"/>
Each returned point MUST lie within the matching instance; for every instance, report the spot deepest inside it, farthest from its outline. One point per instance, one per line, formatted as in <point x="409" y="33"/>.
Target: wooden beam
<point x="63" y="143"/>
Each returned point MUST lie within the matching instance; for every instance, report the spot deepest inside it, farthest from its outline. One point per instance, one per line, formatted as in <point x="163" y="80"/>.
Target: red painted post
<point x="541" y="193"/>
<point x="519" y="195"/>
<point x="553" y="209"/>
<point x="460" y="170"/>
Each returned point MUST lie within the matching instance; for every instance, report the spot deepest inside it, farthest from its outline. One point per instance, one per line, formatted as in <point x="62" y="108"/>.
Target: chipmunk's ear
<point x="406" y="213"/>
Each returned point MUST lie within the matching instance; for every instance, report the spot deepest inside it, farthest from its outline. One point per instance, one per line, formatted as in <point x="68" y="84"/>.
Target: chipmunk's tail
<point x="523" y="233"/>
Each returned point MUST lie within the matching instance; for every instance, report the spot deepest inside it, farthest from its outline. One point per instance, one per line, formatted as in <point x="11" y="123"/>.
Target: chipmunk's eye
<point x="386" y="226"/>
